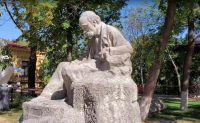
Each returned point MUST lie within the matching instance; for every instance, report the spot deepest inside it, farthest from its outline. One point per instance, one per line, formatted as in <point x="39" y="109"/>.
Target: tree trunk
<point x="141" y="72"/>
<point x="154" y="72"/>
<point x="187" y="61"/>
<point x="69" y="48"/>
<point x="178" y="75"/>
<point x="32" y="67"/>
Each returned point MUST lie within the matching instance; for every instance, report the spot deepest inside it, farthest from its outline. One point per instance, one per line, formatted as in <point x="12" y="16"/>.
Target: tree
<point x="30" y="17"/>
<point x="156" y="66"/>
<point x="188" y="59"/>
<point x="187" y="17"/>
<point x="138" y="27"/>
<point x="169" y="78"/>
<point x="176" y="69"/>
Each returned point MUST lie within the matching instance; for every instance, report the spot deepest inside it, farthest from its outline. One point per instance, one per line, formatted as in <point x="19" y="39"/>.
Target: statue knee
<point x="62" y="64"/>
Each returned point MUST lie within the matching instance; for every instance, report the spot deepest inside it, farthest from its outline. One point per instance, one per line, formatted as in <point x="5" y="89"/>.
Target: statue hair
<point x="91" y="16"/>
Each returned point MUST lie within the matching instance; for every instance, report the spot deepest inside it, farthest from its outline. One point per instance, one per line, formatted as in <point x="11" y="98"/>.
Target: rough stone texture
<point x="100" y="101"/>
<point x="98" y="85"/>
<point x="157" y="105"/>
<point x="107" y="101"/>
<point x="51" y="111"/>
<point x="4" y="98"/>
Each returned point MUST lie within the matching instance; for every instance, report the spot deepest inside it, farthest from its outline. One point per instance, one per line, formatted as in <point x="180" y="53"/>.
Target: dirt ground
<point x="3" y="120"/>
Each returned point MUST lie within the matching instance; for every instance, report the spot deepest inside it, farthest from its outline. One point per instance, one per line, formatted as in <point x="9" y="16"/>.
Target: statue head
<point x="89" y="22"/>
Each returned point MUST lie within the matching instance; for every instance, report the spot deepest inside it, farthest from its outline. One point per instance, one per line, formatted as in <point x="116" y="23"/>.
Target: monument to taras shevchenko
<point x="95" y="88"/>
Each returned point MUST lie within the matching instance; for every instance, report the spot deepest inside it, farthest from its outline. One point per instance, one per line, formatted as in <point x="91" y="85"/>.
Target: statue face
<point x="88" y="28"/>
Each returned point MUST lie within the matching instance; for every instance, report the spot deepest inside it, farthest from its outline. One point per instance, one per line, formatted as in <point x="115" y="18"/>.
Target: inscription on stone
<point x="35" y="112"/>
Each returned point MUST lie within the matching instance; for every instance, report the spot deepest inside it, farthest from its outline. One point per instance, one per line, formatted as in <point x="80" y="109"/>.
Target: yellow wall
<point x="20" y="55"/>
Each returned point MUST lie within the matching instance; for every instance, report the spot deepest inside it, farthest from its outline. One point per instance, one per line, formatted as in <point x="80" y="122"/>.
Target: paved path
<point x="173" y="97"/>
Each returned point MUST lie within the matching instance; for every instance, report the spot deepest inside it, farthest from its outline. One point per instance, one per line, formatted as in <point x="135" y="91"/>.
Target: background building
<point x="20" y="58"/>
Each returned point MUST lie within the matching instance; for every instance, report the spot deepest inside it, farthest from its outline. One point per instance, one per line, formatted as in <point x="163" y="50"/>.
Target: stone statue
<point x="7" y="73"/>
<point x="4" y="78"/>
<point x="108" y="50"/>
<point x="96" y="88"/>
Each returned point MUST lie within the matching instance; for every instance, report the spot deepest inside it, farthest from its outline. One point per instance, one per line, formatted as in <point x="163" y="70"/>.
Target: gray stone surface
<point x="107" y="101"/>
<point x="4" y="98"/>
<point x="51" y="111"/>
<point x="97" y="87"/>
<point x="157" y="105"/>
<point x="97" y="101"/>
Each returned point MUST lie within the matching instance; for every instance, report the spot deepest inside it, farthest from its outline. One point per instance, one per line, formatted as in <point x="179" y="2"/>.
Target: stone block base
<point x="107" y="102"/>
<point x="50" y="111"/>
<point x="102" y="101"/>
<point x="4" y="98"/>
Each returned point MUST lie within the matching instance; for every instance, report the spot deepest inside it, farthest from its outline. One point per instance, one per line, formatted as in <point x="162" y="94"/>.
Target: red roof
<point x="16" y="45"/>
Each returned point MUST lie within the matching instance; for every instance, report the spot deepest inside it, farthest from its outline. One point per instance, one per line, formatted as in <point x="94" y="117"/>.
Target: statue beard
<point x="89" y="34"/>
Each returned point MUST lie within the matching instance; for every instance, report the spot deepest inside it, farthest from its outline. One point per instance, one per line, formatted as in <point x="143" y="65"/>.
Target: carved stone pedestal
<point x="107" y="101"/>
<point x="102" y="101"/>
<point x="50" y="111"/>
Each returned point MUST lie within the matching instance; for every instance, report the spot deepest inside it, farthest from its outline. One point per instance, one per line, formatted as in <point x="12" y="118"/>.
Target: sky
<point x="9" y="31"/>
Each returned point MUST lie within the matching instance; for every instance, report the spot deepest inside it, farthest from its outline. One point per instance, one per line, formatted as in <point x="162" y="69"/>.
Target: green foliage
<point x="18" y="99"/>
<point x="142" y="30"/>
<point x="5" y="51"/>
<point x="195" y="68"/>
<point x="31" y="17"/>
<point x="65" y="25"/>
<point x="1" y="13"/>
<point x="55" y="56"/>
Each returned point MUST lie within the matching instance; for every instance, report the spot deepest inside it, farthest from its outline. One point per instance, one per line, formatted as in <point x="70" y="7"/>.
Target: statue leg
<point x="55" y="88"/>
<point x="76" y="73"/>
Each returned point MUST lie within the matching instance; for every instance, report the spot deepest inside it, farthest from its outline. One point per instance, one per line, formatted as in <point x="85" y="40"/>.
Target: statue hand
<point x="104" y="54"/>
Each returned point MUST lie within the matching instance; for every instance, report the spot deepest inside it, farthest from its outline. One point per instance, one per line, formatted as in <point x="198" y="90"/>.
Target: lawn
<point x="15" y="112"/>
<point x="173" y="112"/>
<point x="11" y="116"/>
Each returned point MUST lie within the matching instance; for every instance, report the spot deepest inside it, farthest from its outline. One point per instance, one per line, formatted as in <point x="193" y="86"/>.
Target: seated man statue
<point x="108" y="51"/>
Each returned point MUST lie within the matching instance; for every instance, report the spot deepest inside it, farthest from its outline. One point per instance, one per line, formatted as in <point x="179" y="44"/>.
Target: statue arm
<point x="119" y="45"/>
<point x="119" y="50"/>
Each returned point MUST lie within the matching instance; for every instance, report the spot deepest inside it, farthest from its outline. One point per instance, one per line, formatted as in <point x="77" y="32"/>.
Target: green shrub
<point x="18" y="99"/>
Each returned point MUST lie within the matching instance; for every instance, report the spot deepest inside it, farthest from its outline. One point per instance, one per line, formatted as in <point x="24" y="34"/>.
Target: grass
<point x="11" y="116"/>
<point x="174" y="113"/>
<point x="15" y="112"/>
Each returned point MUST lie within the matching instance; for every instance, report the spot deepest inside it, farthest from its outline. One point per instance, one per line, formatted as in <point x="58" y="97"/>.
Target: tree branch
<point x="11" y="16"/>
<point x="108" y="19"/>
<point x="4" y="22"/>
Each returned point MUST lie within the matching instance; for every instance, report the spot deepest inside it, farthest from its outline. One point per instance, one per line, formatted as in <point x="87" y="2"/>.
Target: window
<point x="25" y="67"/>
